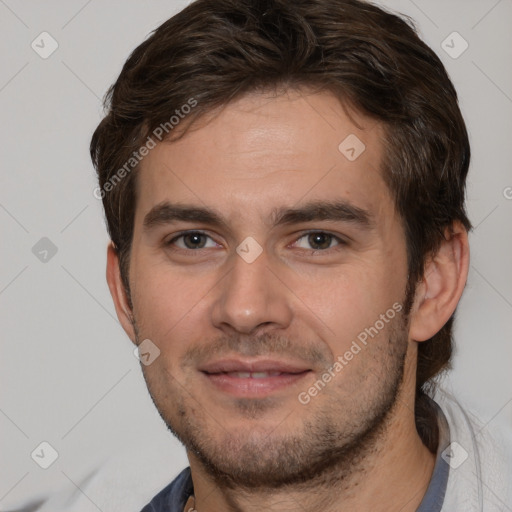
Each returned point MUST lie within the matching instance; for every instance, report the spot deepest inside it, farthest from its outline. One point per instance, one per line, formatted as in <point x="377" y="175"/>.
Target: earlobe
<point x="444" y="280"/>
<point x="118" y="292"/>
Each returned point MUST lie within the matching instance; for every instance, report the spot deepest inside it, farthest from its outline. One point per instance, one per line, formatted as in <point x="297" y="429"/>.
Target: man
<point x="284" y="189"/>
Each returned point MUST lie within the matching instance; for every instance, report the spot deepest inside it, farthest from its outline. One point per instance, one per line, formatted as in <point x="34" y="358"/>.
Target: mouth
<point x="253" y="378"/>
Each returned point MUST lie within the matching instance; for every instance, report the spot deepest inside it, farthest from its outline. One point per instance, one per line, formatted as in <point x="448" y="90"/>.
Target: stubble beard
<point x="324" y="451"/>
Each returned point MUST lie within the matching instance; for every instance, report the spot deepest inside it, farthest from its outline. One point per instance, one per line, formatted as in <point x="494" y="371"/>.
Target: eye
<point x="192" y="240"/>
<point x="318" y="241"/>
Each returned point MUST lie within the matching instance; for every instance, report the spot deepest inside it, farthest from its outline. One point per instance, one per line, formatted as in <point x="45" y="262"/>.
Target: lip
<point x="253" y="365"/>
<point x="224" y="375"/>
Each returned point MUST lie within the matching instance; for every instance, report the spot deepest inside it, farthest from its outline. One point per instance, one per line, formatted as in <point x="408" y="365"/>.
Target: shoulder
<point x="480" y="459"/>
<point x="124" y="480"/>
<point x="173" y="497"/>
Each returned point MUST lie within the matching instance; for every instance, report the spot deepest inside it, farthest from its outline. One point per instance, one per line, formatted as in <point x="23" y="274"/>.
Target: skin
<point x="354" y="446"/>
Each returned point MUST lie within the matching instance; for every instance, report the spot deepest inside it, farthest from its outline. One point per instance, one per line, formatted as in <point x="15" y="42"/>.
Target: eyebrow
<point x="340" y="210"/>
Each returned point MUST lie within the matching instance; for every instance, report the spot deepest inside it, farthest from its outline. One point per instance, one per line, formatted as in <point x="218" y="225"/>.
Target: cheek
<point x="343" y="302"/>
<point x="168" y="304"/>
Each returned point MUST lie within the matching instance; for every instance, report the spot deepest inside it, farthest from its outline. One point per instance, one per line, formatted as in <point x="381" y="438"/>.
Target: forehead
<point x="263" y="152"/>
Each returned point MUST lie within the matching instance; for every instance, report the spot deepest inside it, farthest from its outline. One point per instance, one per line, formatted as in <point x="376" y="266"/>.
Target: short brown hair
<point x="217" y="50"/>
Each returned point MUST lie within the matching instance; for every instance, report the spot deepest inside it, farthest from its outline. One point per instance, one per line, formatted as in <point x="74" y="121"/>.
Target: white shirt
<point x="482" y="482"/>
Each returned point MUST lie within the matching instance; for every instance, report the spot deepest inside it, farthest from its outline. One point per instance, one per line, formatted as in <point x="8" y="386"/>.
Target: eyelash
<point x="340" y="241"/>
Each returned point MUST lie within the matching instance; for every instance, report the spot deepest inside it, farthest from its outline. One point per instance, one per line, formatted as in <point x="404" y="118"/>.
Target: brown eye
<point x="318" y="241"/>
<point x="192" y="240"/>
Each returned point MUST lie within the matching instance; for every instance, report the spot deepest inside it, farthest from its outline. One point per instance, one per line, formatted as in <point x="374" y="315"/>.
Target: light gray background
<point x="68" y="374"/>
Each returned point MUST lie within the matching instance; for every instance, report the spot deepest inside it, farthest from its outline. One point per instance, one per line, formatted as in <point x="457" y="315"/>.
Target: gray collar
<point x="434" y="497"/>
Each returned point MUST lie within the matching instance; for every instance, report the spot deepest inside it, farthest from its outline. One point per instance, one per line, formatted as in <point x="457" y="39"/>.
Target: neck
<point x="393" y="473"/>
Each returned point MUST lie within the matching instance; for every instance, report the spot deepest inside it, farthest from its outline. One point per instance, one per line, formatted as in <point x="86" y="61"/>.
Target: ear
<point x="444" y="280"/>
<point x="115" y="284"/>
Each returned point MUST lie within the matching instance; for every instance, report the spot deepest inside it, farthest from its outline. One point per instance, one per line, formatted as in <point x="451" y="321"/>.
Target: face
<point x="269" y="267"/>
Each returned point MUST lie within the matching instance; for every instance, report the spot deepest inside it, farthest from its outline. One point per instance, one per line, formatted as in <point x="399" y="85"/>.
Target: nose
<point x="251" y="298"/>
